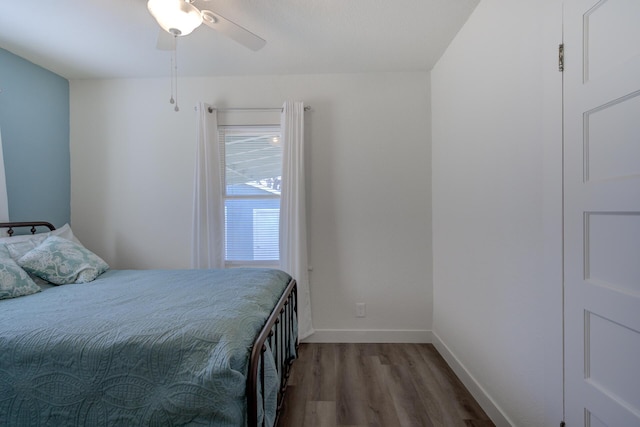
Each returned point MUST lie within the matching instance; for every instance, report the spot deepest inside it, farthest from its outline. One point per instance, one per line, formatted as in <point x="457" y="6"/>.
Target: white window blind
<point x="251" y="159"/>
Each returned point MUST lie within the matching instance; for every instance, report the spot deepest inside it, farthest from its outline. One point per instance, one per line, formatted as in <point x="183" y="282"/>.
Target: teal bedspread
<point x="152" y="348"/>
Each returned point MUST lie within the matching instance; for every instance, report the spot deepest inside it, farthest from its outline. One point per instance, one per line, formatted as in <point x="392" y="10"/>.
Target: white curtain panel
<point x="293" y="223"/>
<point x="4" y="203"/>
<point x="208" y="209"/>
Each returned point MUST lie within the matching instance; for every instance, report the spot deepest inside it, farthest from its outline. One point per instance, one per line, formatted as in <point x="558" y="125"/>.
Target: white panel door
<point x="602" y="212"/>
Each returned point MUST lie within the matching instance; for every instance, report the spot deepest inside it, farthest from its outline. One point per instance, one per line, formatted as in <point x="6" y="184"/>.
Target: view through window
<point x="252" y="165"/>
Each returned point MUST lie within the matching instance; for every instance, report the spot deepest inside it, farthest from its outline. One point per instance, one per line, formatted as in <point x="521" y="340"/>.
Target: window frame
<point x="250" y="128"/>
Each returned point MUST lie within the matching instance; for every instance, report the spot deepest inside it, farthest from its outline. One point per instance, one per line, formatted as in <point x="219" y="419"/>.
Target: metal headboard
<point x="32" y="224"/>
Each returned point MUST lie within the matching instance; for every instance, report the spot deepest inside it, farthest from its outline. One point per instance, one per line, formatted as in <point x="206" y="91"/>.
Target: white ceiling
<point x="85" y="39"/>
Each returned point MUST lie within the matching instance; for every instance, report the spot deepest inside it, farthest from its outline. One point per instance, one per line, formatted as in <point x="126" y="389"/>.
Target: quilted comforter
<point x="153" y="348"/>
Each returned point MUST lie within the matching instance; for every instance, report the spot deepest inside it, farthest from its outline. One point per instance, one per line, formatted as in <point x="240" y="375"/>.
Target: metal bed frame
<point x="278" y="334"/>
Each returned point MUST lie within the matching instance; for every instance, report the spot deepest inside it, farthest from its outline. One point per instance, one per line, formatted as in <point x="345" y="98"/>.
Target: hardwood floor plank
<point x="324" y="373"/>
<point x="293" y="409"/>
<point x="479" y="423"/>
<point x="385" y="385"/>
<point x="441" y="409"/>
<point x="451" y="386"/>
<point x="409" y="407"/>
<point x="380" y="409"/>
<point x="350" y="386"/>
<point x="380" y="350"/>
<point x="297" y="368"/>
<point x="320" y="414"/>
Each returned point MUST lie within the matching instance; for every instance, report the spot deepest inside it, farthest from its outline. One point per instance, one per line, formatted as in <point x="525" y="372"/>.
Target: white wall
<point x="497" y="150"/>
<point x="369" y="183"/>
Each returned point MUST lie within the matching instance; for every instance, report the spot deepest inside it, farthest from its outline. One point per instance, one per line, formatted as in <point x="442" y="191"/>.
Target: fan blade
<point x="232" y="30"/>
<point x="165" y="40"/>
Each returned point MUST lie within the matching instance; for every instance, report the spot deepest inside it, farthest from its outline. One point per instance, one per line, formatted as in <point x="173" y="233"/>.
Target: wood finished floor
<point x="386" y="385"/>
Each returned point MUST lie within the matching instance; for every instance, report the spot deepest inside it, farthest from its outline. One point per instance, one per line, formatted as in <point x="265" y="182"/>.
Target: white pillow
<point x="20" y="238"/>
<point x="66" y="233"/>
<point x="20" y="245"/>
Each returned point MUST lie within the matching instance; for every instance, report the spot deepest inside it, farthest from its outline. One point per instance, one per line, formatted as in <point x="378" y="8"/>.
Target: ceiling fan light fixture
<point x="177" y="17"/>
<point x="208" y="16"/>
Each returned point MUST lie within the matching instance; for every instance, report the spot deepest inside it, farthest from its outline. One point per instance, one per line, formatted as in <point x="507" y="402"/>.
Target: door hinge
<point x="561" y="57"/>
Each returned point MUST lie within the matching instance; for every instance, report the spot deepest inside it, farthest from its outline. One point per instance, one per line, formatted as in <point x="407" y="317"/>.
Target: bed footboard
<point x="278" y="333"/>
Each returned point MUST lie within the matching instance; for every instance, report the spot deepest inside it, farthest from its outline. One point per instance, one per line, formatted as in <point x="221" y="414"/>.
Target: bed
<point x="145" y="347"/>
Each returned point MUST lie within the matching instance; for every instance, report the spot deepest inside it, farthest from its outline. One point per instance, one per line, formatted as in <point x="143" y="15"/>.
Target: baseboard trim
<point x="370" y="336"/>
<point x="494" y="412"/>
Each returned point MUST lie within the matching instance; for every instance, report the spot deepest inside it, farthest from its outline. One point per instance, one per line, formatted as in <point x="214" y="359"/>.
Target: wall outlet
<point x="361" y="309"/>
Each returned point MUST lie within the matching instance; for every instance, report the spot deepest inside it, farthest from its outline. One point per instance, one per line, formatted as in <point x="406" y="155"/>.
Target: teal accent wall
<point x="34" y="122"/>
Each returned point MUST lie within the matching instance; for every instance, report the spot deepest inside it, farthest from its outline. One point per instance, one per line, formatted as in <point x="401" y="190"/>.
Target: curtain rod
<point x="306" y="108"/>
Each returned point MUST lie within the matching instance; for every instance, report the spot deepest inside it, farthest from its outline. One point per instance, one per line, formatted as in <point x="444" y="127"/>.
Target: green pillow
<point x="14" y="281"/>
<point x="61" y="261"/>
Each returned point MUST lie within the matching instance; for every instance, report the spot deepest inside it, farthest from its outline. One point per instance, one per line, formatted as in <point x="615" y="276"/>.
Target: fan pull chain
<point x="175" y="63"/>
<point x="174" y="73"/>
<point x="172" y="101"/>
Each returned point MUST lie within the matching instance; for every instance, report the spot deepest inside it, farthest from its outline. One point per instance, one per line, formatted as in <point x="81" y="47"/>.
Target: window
<point x="251" y="159"/>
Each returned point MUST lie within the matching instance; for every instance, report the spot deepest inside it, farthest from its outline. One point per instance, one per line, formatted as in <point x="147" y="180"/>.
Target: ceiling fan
<point x="181" y="17"/>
